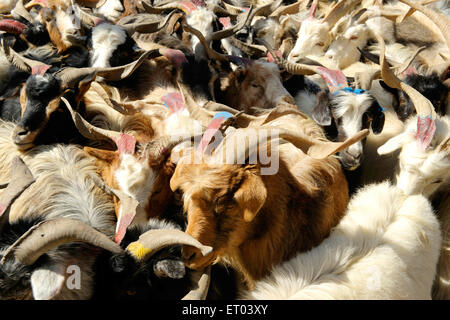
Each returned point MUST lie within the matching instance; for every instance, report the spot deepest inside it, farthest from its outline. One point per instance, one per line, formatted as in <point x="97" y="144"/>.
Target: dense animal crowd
<point x="224" y="149"/>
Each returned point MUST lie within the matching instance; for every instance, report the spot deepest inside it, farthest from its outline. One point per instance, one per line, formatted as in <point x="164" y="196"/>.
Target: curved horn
<point x="71" y="76"/>
<point x="289" y="9"/>
<point x="158" y="148"/>
<point x="439" y="19"/>
<point x="154" y="240"/>
<point x="149" y="27"/>
<point x="158" y="10"/>
<point x="202" y="285"/>
<point x="315" y="148"/>
<point x="21" y="63"/>
<point x="20" y="11"/>
<point x="339" y="10"/>
<point x="50" y="234"/>
<point x="249" y="49"/>
<point x="423" y="106"/>
<point x="89" y="131"/>
<point x="21" y="178"/>
<point x="212" y="54"/>
<point x="225" y="33"/>
<point x="197" y="112"/>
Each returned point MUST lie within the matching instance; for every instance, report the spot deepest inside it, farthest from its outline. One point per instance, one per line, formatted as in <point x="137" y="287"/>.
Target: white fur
<point x="350" y="108"/>
<point x="111" y="9"/>
<point x="421" y="171"/>
<point x="385" y="247"/>
<point x="311" y="33"/>
<point x="201" y="19"/>
<point x="306" y="101"/>
<point x="136" y="179"/>
<point x="344" y="50"/>
<point x="7" y="5"/>
<point x="105" y="40"/>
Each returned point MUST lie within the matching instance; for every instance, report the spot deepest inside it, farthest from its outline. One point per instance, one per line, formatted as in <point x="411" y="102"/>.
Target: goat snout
<point x="350" y="161"/>
<point x="23" y="138"/>
<point x="193" y="258"/>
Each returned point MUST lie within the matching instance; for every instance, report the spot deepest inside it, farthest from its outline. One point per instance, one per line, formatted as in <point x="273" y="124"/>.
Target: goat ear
<point x="47" y="281"/>
<point x="251" y="196"/>
<point x="377" y="118"/>
<point x="240" y="74"/>
<point x="102" y="155"/>
<point x="321" y="112"/>
<point x="394" y="143"/>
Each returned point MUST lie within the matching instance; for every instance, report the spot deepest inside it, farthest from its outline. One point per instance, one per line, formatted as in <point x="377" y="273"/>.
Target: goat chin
<point x="385" y="247"/>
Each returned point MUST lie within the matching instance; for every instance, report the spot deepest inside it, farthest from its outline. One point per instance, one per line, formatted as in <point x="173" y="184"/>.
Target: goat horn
<point x="249" y="49"/>
<point x="444" y="146"/>
<point x="71" y="76"/>
<point x="128" y="205"/>
<point x="158" y="10"/>
<point x="230" y="31"/>
<point x="50" y="234"/>
<point x="95" y="4"/>
<point x="196" y="112"/>
<point x="21" y="178"/>
<point x="426" y="126"/>
<point x="20" y="62"/>
<point x="154" y="240"/>
<point x="440" y="20"/>
<point x="339" y="10"/>
<point x="149" y="27"/>
<point x="21" y="11"/>
<point x="229" y="9"/>
<point x="423" y="106"/>
<point x="289" y="9"/>
<point x="212" y="54"/>
<point x="156" y="149"/>
<point x="315" y="148"/>
<point x="201" y="291"/>
<point x="124" y="142"/>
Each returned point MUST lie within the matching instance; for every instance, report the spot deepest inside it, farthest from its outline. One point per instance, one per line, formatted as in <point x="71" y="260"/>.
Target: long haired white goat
<point x="385" y="247"/>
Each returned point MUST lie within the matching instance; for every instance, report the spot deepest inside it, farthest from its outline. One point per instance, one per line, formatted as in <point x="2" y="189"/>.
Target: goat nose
<point x="22" y="132"/>
<point x="188" y="253"/>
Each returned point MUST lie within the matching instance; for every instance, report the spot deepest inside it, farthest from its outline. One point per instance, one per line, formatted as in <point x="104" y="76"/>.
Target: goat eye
<point x="437" y="181"/>
<point x="353" y="37"/>
<point x="320" y="44"/>
<point x="256" y="85"/>
<point x="131" y="292"/>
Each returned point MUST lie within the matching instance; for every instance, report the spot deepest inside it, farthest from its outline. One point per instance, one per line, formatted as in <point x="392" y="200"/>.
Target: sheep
<point x="386" y="246"/>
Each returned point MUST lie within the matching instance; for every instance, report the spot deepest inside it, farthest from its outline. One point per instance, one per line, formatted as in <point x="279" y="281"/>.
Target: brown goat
<point x="256" y="221"/>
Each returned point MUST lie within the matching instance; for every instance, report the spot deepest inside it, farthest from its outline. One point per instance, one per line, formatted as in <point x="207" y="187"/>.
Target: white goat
<point x="385" y="247"/>
<point x="428" y="172"/>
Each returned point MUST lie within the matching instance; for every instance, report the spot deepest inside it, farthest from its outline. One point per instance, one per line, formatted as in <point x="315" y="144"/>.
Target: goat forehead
<point x="351" y="105"/>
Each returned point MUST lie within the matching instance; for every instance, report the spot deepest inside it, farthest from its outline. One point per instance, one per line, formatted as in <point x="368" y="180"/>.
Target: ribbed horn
<point x="156" y="150"/>
<point x="339" y="10"/>
<point x="20" y="62"/>
<point x="225" y="33"/>
<point x="439" y="19"/>
<point x="149" y="27"/>
<point x="50" y="234"/>
<point x="21" y="179"/>
<point x="152" y="241"/>
<point x="196" y="112"/>
<point x="290" y="9"/>
<point x="158" y="10"/>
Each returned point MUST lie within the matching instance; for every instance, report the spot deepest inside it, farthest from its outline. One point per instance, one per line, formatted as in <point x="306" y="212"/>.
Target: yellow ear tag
<point x="138" y="250"/>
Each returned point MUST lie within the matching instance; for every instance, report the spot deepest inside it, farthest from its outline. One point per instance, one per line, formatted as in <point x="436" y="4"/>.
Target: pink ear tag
<point x="335" y="79"/>
<point x="126" y="143"/>
<point x="188" y="6"/>
<point x="214" y="126"/>
<point x="270" y="58"/>
<point x="409" y="72"/>
<point x="174" y="102"/>
<point x="312" y="11"/>
<point x="175" y="56"/>
<point x="426" y="127"/>
<point x="225" y="22"/>
<point x="12" y="26"/>
<point x="40" y="69"/>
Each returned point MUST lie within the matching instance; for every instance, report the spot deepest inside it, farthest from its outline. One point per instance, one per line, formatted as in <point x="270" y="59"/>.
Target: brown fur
<point x="254" y="221"/>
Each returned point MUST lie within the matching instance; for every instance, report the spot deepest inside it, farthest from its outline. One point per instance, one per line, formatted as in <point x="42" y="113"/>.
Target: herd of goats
<point x="224" y="149"/>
